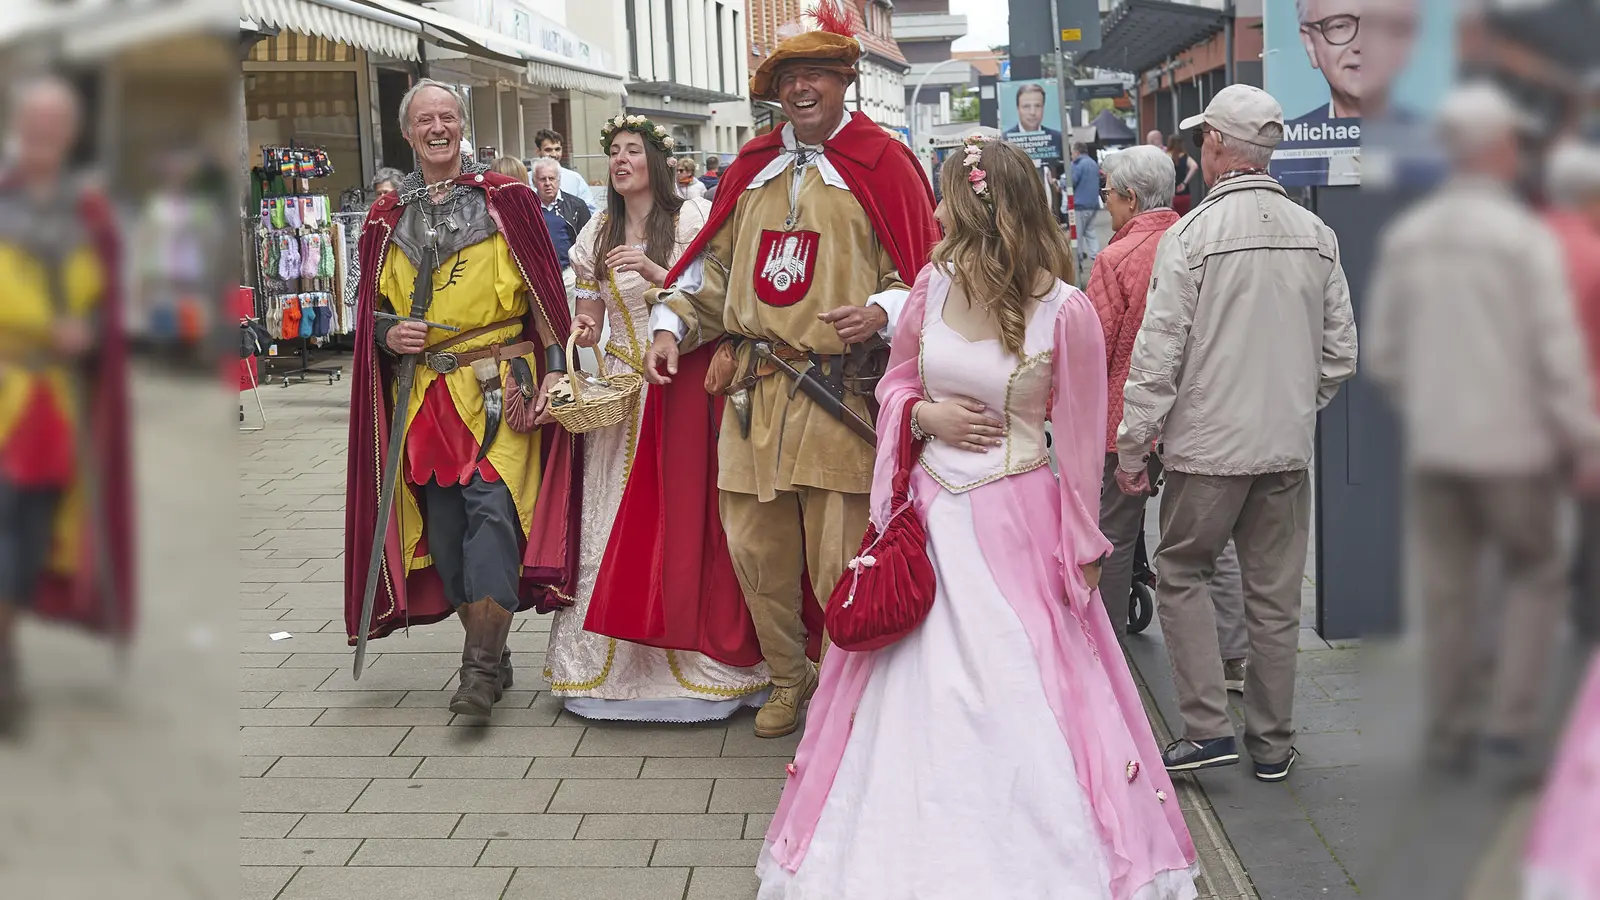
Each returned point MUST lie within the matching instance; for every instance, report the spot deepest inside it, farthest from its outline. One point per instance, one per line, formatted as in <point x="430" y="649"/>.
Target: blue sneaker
<point x="1277" y="771"/>
<point x="1191" y="756"/>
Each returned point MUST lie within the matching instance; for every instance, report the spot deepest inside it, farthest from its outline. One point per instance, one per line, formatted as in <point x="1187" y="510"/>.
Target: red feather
<point x="833" y="17"/>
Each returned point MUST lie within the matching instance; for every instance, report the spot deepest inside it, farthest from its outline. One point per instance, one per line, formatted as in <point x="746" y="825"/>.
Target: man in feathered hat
<point x="817" y="231"/>
<point x="483" y="518"/>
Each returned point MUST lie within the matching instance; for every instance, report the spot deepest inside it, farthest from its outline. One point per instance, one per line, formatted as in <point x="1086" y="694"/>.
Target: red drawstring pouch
<point x="889" y="587"/>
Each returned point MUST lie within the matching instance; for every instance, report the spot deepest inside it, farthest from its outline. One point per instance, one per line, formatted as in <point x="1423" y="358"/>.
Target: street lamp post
<point x="916" y="95"/>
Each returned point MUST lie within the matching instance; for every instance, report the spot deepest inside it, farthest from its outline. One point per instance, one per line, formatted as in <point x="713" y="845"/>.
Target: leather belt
<point x="443" y="360"/>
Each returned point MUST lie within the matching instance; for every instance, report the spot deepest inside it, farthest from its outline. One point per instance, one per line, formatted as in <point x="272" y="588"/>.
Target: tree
<point x="963" y="104"/>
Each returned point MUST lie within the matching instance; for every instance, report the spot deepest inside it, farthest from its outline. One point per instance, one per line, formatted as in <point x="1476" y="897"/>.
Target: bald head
<point x="1155" y="139"/>
<point x="44" y="124"/>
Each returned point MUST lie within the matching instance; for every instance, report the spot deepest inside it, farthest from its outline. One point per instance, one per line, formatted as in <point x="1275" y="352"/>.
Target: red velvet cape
<point x="79" y="599"/>
<point x="550" y="560"/>
<point x="666" y="580"/>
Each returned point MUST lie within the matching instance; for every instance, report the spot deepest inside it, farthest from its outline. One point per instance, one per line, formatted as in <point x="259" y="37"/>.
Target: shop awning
<point x="1139" y="35"/>
<point x="543" y="67"/>
<point x="672" y="90"/>
<point x="347" y="22"/>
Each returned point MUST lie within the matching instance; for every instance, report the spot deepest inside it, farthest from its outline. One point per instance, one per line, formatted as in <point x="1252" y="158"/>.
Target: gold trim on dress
<point x="605" y="672"/>
<point x="677" y="674"/>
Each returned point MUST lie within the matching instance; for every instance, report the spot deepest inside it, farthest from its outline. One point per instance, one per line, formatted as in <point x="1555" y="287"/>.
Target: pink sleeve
<point x="1078" y="417"/>
<point x="901" y="382"/>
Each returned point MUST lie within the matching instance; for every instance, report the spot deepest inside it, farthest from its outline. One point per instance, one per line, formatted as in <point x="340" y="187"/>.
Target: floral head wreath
<point x="972" y="146"/>
<point x="641" y="126"/>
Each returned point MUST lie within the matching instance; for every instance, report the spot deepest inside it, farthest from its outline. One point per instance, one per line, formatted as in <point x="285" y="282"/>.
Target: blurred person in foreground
<point x="1138" y="195"/>
<point x="65" y="504"/>
<point x="1247" y="335"/>
<point x="1574" y="191"/>
<point x="1474" y="337"/>
<point x="564" y="216"/>
<point x="464" y="247"/>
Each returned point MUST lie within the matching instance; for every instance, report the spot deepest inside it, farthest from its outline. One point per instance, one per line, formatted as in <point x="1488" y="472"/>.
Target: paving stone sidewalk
<point x="375" y="790"/>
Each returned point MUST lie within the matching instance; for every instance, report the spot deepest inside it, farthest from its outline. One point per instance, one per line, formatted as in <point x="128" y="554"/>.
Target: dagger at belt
<point x="819" y="393"/>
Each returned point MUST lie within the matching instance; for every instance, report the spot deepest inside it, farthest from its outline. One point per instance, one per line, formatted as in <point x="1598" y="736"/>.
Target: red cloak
<point x="666" y="580"/>
<point x="79" y="598"/>
<point x="550" y="560"/>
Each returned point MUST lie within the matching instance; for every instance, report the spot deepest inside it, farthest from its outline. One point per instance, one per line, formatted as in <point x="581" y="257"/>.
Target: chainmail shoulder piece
<point x="413" y="188"/>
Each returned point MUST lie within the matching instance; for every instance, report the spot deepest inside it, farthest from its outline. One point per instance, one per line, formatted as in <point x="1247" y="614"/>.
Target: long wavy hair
<point x="995" y="248"/>
<point x="660" y="229"/>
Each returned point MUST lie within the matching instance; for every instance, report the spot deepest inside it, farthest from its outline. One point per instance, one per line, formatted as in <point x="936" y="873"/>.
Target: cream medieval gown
<point x="597" y="676"/>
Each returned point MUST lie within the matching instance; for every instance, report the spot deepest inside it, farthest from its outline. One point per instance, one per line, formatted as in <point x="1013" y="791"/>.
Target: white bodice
<point x="1016" y="391"/>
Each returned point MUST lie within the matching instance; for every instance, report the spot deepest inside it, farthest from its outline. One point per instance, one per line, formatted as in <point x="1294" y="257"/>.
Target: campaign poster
<point x="1334" y="63"/>
<point x="1030" y="117"/>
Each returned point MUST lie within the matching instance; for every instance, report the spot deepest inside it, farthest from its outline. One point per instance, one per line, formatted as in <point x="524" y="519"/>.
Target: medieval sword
<point x="421" y="298"/>
<point x="819" y="394"/>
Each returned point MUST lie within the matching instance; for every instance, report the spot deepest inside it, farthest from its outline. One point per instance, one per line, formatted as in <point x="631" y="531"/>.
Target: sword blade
<point x="421" y="299"/>
<point x="391" y="469"/>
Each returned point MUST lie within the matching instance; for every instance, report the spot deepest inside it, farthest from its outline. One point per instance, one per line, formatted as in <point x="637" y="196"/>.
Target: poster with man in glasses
<point x="1337" y="66"/>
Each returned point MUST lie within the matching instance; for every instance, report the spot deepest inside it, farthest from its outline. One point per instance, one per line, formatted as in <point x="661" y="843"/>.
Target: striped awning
<point x="373" y="30"/>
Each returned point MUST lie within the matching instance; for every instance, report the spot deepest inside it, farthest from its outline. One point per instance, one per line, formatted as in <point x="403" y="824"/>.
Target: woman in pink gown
<point x="999" y="750"/>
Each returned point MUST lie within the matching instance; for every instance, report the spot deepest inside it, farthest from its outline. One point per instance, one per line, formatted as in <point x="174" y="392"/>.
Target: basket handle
<point x="572" y="367"/>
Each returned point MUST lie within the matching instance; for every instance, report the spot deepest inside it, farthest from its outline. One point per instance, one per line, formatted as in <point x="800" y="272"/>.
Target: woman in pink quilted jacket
<point x="1136" y="188"/>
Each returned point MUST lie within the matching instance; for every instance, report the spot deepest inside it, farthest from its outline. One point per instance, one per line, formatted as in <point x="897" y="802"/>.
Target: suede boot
<point x="488" y="624"/>
<point x="780" y="715"/>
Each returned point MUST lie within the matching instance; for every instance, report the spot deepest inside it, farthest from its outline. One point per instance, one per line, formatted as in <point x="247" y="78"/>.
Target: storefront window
<point x="309" y="109"/>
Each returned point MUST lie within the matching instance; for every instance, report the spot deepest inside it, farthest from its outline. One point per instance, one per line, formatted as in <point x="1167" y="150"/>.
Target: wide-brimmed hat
<point x="833" y="47"/>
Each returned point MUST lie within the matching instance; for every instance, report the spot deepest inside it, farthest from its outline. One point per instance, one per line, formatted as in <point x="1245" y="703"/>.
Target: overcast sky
<point x="986" y="23"/>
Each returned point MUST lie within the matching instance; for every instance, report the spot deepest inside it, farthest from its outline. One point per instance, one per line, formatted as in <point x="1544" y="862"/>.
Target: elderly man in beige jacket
<point x="1247" y="335"/>
<point x="1474" y="337"/>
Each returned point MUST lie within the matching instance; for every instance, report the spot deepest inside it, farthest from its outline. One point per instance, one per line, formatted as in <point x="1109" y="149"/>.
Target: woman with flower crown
<point x="999" y="749"/>
<point x="621" y="253"/>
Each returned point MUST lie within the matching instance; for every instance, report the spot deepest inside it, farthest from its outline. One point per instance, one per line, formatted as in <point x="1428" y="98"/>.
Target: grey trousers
<point x="1121" y="517"/>
<point x="1456" y="521"/>
<point x="27" y="532"/>
<point x="1269" y="519"/>
<point x="475" y="539"/>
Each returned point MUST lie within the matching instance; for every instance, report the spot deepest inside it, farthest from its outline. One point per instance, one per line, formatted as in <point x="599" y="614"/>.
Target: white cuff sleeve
<point x="692" y="278"/>
<point x="662" y="318"/>
<point x="891" y="302"/>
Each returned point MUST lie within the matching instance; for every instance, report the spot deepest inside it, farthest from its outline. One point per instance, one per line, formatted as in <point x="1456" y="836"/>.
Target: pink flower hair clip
<point x="977" y="177"/>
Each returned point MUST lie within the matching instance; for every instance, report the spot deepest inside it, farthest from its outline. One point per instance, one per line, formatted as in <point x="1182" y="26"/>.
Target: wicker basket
<point x="583" y="404"/>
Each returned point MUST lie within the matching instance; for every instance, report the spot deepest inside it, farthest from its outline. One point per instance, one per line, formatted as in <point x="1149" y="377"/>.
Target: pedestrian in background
<point x="1475" y="339"/>
<point x="688" y="186"/>
<point x="1186" y="171"/>
<point x="553" y="145"/>
<point x="712" y="176"/>
<point x="1086" y="197"/>
<point x="387" y="181"/>
<point x="1138" y="197"/>
<point x="564" y="217"/>
<point x="1247" y="335"/>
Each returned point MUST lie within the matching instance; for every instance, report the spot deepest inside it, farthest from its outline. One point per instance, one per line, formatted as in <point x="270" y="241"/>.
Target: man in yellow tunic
<point x="65" y="548"/>
<point x="462" y="524"/>
<point x="817" y="232"/>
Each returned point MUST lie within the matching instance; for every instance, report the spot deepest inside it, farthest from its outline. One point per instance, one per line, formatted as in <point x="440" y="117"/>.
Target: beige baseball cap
<point x="1242" y="112"/>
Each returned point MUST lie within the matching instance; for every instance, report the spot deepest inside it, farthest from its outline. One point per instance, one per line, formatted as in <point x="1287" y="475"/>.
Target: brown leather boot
<point x="487" y="623"/>
<point x="504" y="670"/>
